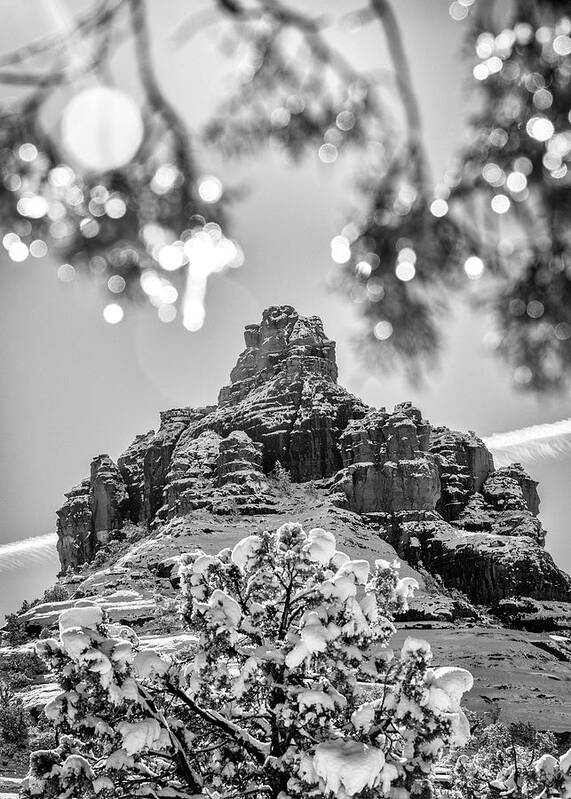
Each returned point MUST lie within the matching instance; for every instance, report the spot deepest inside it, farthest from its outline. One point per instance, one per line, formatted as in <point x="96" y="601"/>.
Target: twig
<point x="257" y="749"/>
<point x="156" y="98"/>
<point x="192" y="778"/>
<point x="403" y="77"/>
<point x="98" y="16"/>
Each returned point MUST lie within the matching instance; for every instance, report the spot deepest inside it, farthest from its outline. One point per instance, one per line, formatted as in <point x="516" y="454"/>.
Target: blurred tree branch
<point x="501" y="210"/>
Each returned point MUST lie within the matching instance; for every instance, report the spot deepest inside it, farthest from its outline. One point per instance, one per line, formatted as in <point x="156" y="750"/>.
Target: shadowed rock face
<point x="108" y="498"/>
<point x="157" y="458"/>
<point x="93" y="509"/>
<point x="431" y="494"/>
<point x="131" y="465"/>
<point x="463" y="464"/>
<point x="486" y="567"/>
<point x="75" y="527"/>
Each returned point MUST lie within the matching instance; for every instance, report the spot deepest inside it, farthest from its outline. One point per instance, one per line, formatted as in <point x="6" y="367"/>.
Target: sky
<point x="73" y="387"/>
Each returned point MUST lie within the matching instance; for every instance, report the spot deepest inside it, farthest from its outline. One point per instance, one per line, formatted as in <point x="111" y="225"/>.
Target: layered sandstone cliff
<point x="431" y="494"/>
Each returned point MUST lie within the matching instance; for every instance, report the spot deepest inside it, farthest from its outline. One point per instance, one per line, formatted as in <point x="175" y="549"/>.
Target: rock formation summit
<point x="286" y="442"/>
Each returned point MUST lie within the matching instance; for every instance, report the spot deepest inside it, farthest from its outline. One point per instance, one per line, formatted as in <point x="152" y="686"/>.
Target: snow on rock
<point x="347" y="767"/>
<point x="38" y="696"/>
<point x="320" y="546"/>
<point x="149" y="663"/>
<point x="142" y="735"/>
<point x="245" y="550"/>
<point x="170" y="643"/>
<point x="89" y="616"/>
<point x="224" y="610"/>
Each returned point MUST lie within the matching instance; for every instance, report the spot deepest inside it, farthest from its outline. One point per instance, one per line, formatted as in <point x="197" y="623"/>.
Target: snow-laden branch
<point x="257" y="749"/>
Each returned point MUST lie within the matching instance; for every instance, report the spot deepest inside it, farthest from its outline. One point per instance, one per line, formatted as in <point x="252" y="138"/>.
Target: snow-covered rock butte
<point x="386" y="483"/>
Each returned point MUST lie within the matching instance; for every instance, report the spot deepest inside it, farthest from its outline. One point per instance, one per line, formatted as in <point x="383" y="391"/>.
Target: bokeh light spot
<point x="540" y="128"/>
<point x="38" y="248"/>
<point x="500" y="203"/>
<point x="405" y="271"/>
<point x="166" y="313"/>
<point x="66" y="273"/>
<point x="113" y="313"/>
<point x="439" y="208"/>
<point x="383" y="330"/>
<point x="523" y="375"/>
<point x="116" y="284"/>
<point x="535" y="309"/>
<point x="516" y="181"/>
<point x="171" y="257"/>
<point x="102" y="128"/>
<point x="562" y="331"/>
<point x="474" y="267"/>
<point x="340" y="249"/>
<point x="28" y="152"/>
<point x="115" y="207"/>
<point x="18" y="251"/>
<point x="210" y="189"/>
<point x="328" y="153"/>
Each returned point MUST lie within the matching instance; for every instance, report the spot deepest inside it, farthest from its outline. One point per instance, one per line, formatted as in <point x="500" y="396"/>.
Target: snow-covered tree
<point x="511" y="760"/>
<point x="290" y="689"/>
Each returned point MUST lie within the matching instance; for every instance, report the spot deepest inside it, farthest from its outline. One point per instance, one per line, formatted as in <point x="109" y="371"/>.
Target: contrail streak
<point x="20" y="554"/>
<point x="531" y="443"/>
